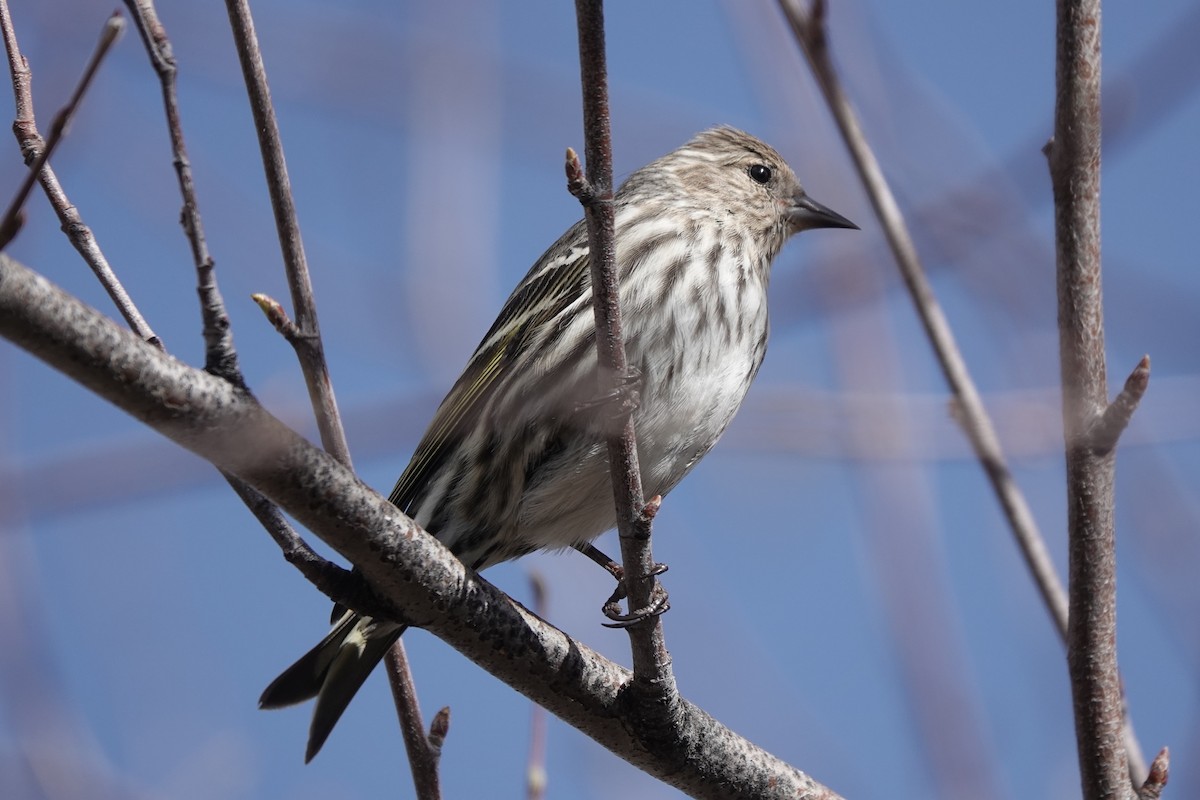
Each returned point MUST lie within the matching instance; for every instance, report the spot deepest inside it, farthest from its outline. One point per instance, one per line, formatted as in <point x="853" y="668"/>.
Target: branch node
<point x="438" y="728"/>
<point x="277" y="316"/>
<point x="650" y="510"/>
<point x="577" y="183"/>
<point x="1156" y="781"/>
<point x="1106" y="429"/>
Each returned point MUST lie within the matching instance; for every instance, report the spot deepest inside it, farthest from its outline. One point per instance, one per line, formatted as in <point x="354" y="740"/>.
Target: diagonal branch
<point x="810" y="31"/>
<point x="309" y="347"/>
<point x="13" y="216"/>
<point x="32" y="145"/>
<point x="809" y="28"/>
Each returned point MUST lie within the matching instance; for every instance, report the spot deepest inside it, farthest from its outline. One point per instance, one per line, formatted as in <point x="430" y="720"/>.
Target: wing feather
<point x="555" y="281"/>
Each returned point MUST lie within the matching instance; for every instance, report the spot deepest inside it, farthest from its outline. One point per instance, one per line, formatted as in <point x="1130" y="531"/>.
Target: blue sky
<point x="843" y="589"/>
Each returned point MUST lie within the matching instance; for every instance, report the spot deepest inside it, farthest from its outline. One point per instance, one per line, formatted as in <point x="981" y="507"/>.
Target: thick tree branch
<point x="406" y="569"/>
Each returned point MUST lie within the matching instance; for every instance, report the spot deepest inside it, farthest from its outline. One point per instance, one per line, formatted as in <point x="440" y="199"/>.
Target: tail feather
<point x="302" y="680"/>
<point x="332" y="672"/>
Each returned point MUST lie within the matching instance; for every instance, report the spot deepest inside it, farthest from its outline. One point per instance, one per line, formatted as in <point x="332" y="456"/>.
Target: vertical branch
<point x="1074" y="156"/>
<point x="651" y="663"/>
<point x="535" y="770"/>
<point x="424" y="750"/>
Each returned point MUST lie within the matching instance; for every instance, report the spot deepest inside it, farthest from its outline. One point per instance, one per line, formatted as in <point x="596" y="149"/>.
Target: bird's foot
<point x="659" y="604"/>
<point x="612" y="607"/>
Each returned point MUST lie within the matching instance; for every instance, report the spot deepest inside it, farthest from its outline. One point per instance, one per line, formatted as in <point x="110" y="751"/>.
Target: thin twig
<point x="810" y="32"/>
<point x="339" y="584"/>
<point x="651" y="663"/>
<point x="32" y="145"/>
<point x="1074" y="158"/>
<point x="535" y="768"/>
<point x="310" y="351"/>
<point x="809" y="28"/>
<point x="219" y="354"/>
<point x="308" y="346"/>
<point x="424" y="750"/>
<point x="13" y="217"/>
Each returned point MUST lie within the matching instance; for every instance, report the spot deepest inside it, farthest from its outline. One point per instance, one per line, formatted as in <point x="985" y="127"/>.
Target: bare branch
<point x="651" y="662"/>
<point x="809" y="30"/>
<point x="13" y="217"/>
<point x="1074" y="156"/>
<point x="219" y="354"/>
<point x="424" y="751"/>
<point x="309" y="347"/>
<point x="337" y="583"/>
<point x="407" y="569"/>
<point x="535" y="768"/>
<point x="32" y="145"/>
<point x="221" y="358"/>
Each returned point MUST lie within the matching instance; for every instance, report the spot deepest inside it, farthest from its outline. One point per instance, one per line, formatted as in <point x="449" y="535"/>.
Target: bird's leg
<point x="612" y="607"/>
<point x="611" y="567"/>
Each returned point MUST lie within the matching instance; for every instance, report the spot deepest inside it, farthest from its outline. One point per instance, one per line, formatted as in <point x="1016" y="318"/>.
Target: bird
<point x="515" y="459"/>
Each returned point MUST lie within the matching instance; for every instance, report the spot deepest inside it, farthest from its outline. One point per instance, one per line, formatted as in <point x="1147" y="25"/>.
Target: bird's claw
<point x="659" y="603"/>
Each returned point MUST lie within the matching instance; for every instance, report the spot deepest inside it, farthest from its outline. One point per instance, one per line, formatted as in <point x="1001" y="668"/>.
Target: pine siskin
<point x="515" y="459"/>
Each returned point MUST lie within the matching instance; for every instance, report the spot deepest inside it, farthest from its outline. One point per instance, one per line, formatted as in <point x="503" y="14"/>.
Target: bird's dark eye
<point x="760" y="173"/>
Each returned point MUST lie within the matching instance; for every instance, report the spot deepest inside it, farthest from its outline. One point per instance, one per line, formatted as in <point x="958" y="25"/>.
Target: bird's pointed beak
<point x="807" y="213"/>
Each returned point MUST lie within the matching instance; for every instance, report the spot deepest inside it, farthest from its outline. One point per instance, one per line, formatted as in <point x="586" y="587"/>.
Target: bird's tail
<point x="332" y="672"/>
